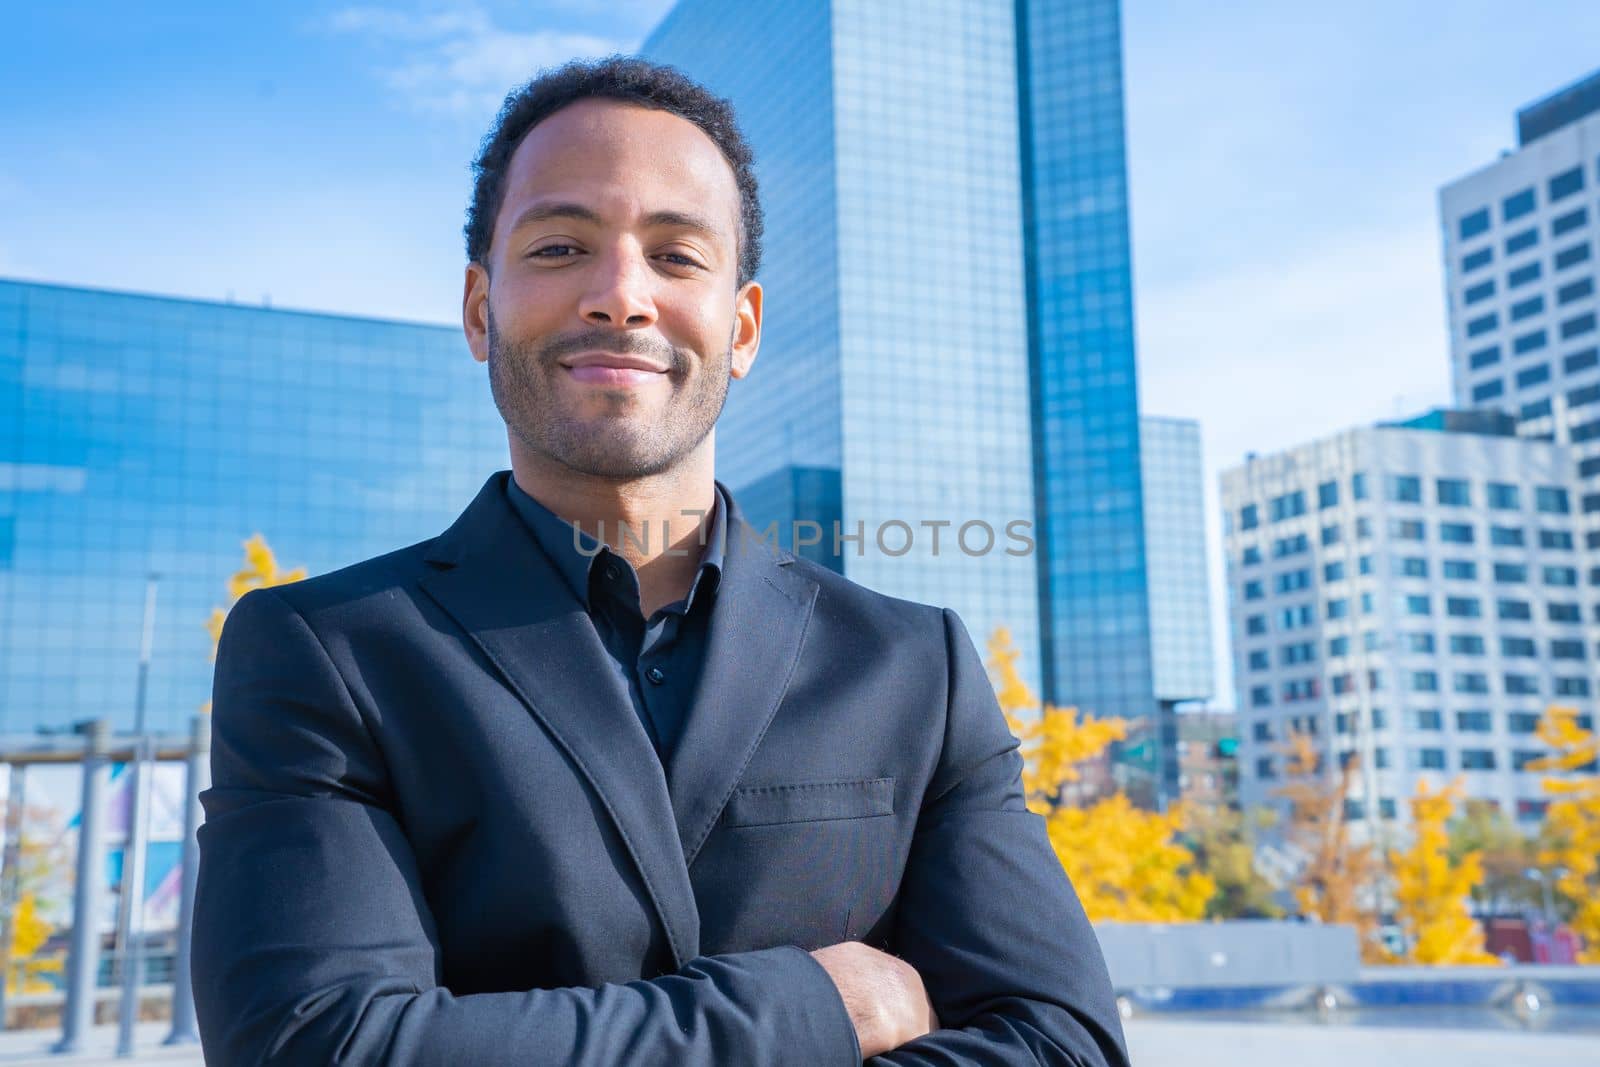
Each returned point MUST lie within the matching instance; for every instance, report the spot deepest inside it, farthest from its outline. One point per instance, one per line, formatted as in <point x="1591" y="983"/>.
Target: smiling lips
<point x="609" y="368"/>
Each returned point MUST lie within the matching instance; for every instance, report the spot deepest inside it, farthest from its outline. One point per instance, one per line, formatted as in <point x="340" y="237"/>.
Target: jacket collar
<point x="492" y="577"/>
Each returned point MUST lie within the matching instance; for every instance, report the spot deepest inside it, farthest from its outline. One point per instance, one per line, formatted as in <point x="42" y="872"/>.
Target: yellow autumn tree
<point x="1572" y="821"/>
<point x="260" y="571"/>
<point x="1127" y="865"/>
<point x="1335" y="883"/>
<point x="29" y="932"/>
<point x="1432" y="890"/>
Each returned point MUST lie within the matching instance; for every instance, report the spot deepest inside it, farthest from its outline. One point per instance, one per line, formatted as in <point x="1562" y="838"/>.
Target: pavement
<point x="1154" y="1043"/>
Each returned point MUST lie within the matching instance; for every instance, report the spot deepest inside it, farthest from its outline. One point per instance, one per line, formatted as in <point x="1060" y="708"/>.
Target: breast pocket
<point x="803" y="802"/>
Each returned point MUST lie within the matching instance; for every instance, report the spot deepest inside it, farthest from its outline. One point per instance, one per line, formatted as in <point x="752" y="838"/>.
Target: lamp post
<point x="133" y="850"/>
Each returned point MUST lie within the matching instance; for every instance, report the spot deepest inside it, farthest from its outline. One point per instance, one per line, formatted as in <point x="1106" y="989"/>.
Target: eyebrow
<point x="568" y="210"/>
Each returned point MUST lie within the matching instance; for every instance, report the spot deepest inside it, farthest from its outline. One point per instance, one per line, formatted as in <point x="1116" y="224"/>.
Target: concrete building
<point x="1412" y="593"/>
<point x="1520" y="237"/>
<point x="949" y="326"/>
<point x="145" y="435"/>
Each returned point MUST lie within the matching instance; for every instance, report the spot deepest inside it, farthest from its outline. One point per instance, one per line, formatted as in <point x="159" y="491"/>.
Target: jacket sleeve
<point x="313" y="943"/>
<point x="987" y="916"/>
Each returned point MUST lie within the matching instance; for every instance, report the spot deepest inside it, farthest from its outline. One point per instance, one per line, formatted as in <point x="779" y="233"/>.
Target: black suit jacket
<point x="437" y="834"/>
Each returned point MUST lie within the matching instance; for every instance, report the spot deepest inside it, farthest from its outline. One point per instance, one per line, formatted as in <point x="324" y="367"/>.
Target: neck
<point x="657" y="523"/>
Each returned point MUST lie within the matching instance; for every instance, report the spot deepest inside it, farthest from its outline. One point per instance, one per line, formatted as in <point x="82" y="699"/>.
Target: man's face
<point x="612" y="324"/>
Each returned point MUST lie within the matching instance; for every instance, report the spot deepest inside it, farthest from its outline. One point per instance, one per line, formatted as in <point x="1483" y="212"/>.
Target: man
<point x="598" y="776"/>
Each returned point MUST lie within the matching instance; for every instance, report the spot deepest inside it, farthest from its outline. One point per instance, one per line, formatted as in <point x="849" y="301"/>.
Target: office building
<point x="1520" y="237"/>
<point x="949" y="316"/>
<point x="1179" y="586"/>
<point x="143" y="435"/>
<point x="1412" y="593"/>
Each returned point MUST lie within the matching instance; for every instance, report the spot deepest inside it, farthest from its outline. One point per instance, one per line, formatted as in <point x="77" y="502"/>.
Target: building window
<point x="1476" y="294"/>
<point x="1524" y="309"/>
<point x="1418" y="605"/>
<point x="1481" y="258"/>
<point x="1424" y="682"/>
<point x="1474" y="722"/>
<point x="1555" y="539"/>
<point x="1483" y="324"/>
<point x="1363" y="527"/>
<point x="1518" y="242"/>
<point x="1516" y="206"/>
<point x="1255" y="624"/>
<point x="1566" y="184"/>
<point x="1530" y="810"/>
<point x="1363" y="564"/>
<point x="1572" y="687"/>
<point x="1513" y="647"/>
<point x="1427" y="759"/>
<point x="1578" y="326"/>
<point x="1523" y="722"/>
<point x="1514" y="609"/>
<point x="1333" y="572"/>
<point x="1406" y="529"/>
<point x="1561" y="576"/>
<point x="1338" y="646"/>
<point x="1471" y="682"/>
<point x="1575" y="291"/>
<point x="1529" y="342"/>
<point x="1454" y="492"/>
<point x="1290" y="581"/>
<point x="1566" y="648"/>
<point x="1259" y="660"/>
<point x="1328" y="495"/>
<point x="1418" y="642"/>
<point x="1247" y="517"/>
<point x="1581" y="360"/>
<point x="1358" y="485"/>
<point x="1506" y="536"/>
<point x="1264" y="767"/>
<point x="1477" y="759"/>
<point x="1535" y="410"/>
<point x="1466" y="645"/>
<point x="1474" y="224"/>
<point x="1331" y="535"/>
<point x="1551" y="500"/>
<point x="1290" y="546"/>
<point x="1570" y="257"/>
<point x="1510" y="572"/>
<point x="1564" y="612"/>
<point x="1533" y="376"/>
<point x="1261" y="696"/>
<point x="1488" y="390"/>
<point x="1523" y="275"/>
<point x="1288" y="506"/>
<point x="1504" y="497"/>
<point x="1339" y="608"/>
<point x="1521" y="758"/>
<point x="1572" y="220"/>
<point x="1253" y="590"/>
<point x="1462" y="607"/>
<point x="1427" y="719"/>
<point x="1521" y="685"/>
<point x="1455" y="533"/>
<point x="1252" y="554"/>
<point x="1413" y="566"/>
<point x="1484" y="357"/>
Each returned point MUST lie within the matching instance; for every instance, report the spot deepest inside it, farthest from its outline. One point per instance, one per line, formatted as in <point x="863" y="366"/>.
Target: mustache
<point x="619" y="344"/>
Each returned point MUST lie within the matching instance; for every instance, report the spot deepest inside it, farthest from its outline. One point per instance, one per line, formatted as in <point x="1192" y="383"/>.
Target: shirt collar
<point x="575" y="552"/>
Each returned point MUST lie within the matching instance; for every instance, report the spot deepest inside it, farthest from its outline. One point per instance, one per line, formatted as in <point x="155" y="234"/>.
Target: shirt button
<point x="656" y="675"/>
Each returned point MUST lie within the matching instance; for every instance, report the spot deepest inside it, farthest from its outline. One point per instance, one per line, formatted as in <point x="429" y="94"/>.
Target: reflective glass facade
<point x="142" y="434"/>
<point x="949" y="320"/>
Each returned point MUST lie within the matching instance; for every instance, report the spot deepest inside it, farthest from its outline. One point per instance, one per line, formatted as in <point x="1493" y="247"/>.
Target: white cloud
<point x="457" y="62"/>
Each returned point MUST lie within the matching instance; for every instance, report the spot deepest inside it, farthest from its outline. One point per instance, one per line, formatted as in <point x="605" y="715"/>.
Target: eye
<point x="552" y="252"/>
<point x="683" y="259"/>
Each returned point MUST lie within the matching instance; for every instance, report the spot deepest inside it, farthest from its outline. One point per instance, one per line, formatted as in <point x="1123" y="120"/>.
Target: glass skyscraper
<point x="144" y="435"/>
<point x="949" y="319"/>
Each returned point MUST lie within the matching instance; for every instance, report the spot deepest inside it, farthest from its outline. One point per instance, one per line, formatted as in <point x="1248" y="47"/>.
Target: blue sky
<point x="1284" y="161"/>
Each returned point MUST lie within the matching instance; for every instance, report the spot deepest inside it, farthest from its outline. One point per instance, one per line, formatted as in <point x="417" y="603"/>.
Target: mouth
<point x="608" y="368"/>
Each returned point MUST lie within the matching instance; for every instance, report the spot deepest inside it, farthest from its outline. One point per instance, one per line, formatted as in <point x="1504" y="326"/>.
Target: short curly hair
<point x="625" y="78"/>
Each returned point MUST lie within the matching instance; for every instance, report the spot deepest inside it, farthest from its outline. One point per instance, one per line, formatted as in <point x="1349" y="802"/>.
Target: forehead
<point x="620" y="159"/>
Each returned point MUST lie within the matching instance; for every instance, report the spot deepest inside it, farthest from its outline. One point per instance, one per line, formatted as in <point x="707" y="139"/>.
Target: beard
<point x="624" y="441"/>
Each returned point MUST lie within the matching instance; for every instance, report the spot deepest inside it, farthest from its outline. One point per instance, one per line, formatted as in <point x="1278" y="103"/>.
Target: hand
<point x="883" y="994"/>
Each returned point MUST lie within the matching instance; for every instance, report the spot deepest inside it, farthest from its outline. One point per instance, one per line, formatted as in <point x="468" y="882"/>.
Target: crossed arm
<point x="313" y="943"/>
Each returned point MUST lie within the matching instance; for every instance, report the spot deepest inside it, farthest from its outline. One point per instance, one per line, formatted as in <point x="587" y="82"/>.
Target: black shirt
<point x="659" y="658"/>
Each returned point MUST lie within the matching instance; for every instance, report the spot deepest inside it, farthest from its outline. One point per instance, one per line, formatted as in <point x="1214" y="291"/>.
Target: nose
<point x="619" y="293"/>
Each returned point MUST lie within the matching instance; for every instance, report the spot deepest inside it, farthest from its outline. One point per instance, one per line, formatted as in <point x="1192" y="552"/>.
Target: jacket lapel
<point x="505" y="593"/>
<point x="757" y="626"/>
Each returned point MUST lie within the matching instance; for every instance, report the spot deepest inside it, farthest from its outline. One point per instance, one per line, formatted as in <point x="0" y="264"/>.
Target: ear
<point x="475" y="311"/>
<point x="746" y="328"/>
